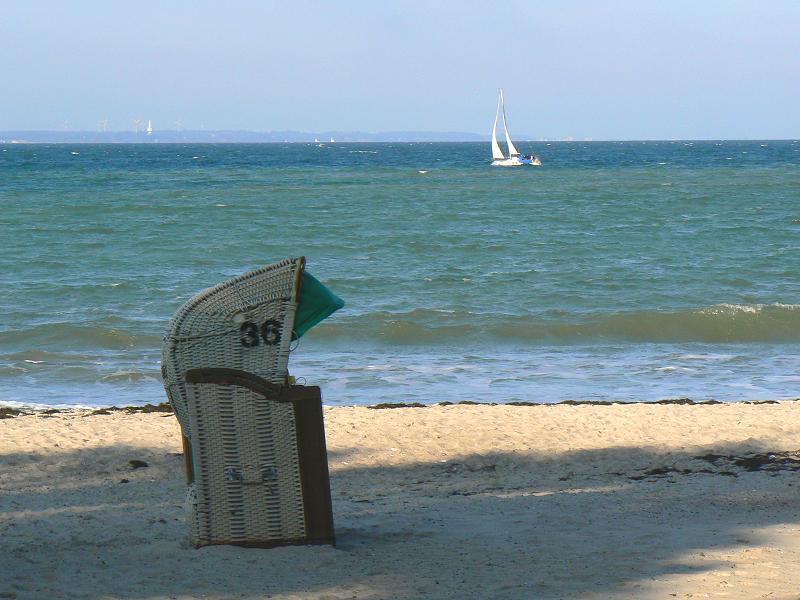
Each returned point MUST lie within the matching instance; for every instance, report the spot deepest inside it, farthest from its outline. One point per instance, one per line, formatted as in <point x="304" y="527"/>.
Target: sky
<point x="684" y="69"/>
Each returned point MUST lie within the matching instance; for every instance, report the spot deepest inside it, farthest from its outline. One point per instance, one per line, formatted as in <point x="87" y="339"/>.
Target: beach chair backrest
<point x="244" y="323"/>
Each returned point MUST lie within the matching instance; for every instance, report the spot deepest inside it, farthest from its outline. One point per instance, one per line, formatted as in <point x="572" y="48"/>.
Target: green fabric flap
<point x="316" y="304"/>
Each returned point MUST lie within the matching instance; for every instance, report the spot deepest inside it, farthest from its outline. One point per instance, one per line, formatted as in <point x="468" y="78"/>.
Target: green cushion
<point x="316" y="304"/>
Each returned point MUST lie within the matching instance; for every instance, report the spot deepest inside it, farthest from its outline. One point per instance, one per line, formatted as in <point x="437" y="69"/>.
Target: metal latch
<point x="251" y="473"/>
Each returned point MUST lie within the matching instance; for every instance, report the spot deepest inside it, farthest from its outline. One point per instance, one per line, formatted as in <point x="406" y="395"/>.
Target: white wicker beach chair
<point x="254" y="445"/>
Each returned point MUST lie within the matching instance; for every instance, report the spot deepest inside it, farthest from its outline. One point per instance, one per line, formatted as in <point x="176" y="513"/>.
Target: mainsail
<point x="512" y="150"/>
<point x="497" y="154"/>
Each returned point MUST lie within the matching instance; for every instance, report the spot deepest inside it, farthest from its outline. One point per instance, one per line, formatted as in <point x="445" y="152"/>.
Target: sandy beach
<point x="458" y="501"/>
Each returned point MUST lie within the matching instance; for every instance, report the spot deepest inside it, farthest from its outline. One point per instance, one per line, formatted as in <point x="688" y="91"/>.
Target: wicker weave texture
<point x="248" y="467"/>
<point x="246" y="473"/>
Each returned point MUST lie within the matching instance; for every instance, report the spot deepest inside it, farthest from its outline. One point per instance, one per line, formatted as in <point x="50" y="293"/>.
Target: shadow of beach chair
<point x="254" y="445"/>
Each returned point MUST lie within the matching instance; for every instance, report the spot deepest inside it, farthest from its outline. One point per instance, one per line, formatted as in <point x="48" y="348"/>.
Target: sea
<point x="617" y="271"/>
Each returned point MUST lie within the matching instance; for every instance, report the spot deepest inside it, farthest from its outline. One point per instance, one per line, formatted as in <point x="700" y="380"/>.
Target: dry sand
<point x="624" y="501"/>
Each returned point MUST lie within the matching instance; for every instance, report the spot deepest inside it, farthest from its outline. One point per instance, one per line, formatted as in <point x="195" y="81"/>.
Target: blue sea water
<point x="616" y="271"/>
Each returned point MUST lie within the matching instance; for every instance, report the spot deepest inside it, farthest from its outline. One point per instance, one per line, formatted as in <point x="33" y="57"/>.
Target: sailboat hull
<point x="517" y="162"/>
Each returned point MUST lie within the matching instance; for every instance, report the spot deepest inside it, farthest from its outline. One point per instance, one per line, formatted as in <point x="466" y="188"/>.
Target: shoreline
<point x="630" y="500"/>
<point x="15" y="409"/>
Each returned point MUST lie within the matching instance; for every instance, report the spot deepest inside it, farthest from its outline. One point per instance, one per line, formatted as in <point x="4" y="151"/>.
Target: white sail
<point x="497" y="154"/>
<point x="512" y="150"/>
<point x="149" y="127"/>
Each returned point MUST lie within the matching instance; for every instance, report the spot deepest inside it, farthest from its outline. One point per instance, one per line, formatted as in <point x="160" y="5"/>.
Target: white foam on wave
<point x="710" y="357"/>
<point x="28" y="406"/>
<point x="671" y="368"/>
<point x="129" y="376"/>
<point x="732" y="309"/>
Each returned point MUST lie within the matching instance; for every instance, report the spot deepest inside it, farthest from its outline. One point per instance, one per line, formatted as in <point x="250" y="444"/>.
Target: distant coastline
<point x="224" y="136"/>
<point x="229" y="136"/>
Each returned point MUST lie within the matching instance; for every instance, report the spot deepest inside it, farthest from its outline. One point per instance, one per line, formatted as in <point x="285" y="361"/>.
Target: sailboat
<point x="515" y="159"/>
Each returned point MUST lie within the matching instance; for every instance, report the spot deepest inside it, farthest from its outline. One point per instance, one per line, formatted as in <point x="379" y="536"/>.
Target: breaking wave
<point x="83" y="336"/>
<point x="722" y="323"/>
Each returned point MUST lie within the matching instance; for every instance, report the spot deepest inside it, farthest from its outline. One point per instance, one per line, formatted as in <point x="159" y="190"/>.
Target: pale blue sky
<point x="601" y="70"/>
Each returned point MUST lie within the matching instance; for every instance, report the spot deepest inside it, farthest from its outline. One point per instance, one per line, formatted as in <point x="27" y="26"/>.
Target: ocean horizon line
<point x="18" y="137"/>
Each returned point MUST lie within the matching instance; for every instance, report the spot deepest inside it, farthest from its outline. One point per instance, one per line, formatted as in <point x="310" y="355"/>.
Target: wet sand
<point x="461" y="501"/>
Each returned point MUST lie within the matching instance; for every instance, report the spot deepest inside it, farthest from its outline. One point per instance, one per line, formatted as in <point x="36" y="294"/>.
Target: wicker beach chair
<point x="254" y="445"/>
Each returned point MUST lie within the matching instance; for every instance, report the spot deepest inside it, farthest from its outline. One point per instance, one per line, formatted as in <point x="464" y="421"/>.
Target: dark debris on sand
<point x="10" y="413"/>
<point x="768" y="461"/>
<point x="397" y="405"/>
<point x="730" y="466"/>
<point x="7" y="412"/>
<point x="164" y="407"/>
<point x="678" y="401"/>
